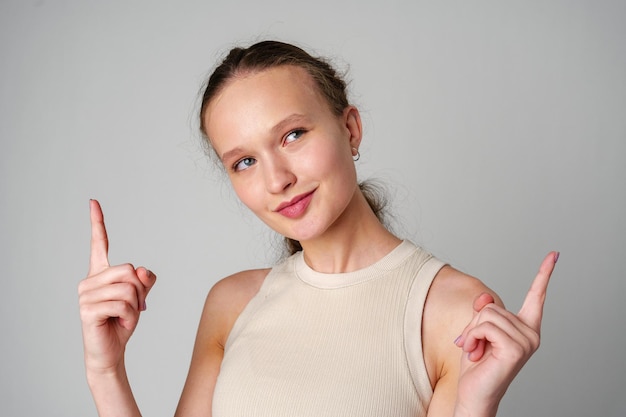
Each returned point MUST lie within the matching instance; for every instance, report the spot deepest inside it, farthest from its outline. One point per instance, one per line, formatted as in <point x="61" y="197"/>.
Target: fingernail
<point x="144" y="306"/>
<point x="556" y="256"/>
<point x="456" y="341"/>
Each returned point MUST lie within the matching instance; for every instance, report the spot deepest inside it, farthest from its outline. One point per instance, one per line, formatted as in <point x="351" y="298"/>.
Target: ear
<point x="352" y="123"/>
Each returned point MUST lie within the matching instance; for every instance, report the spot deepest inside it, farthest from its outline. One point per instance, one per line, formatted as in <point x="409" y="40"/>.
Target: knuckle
<point x="128" y="288"/>
<point x="119" y="306"/>
<point x="534" y="341"/>
<point x="81" y="300"/>
<point x="81" y="287"/>
<point x="86" y="311"/>
<point x="486" y="313"/>
<point x="126" y="293"/>
<point x="491" y="327"/>
<point x="125" y="309"/>
<point x="518" y="351"/>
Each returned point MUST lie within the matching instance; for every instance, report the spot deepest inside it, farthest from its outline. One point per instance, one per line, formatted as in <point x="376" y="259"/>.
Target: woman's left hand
<point x="497" y="343"/>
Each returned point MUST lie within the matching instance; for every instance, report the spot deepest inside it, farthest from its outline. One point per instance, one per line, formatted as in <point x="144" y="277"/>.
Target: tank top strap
<point x="413" y="325"/>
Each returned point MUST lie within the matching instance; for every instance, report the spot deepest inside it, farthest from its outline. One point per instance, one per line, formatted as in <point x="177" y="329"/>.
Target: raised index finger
<point x="99" y="258"/>
<point x="532" y="309"/>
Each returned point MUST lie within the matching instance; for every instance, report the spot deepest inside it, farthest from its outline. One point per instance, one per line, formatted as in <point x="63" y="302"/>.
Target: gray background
<point x="499" y="128"/>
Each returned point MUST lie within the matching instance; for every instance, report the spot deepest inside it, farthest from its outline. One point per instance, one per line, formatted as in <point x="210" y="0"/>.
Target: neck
<point x="356" y="240"/>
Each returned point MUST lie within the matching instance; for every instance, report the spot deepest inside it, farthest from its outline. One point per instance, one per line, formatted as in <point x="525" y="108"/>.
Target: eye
<point x="294" y="135"/>
<point x="243" y="164"/>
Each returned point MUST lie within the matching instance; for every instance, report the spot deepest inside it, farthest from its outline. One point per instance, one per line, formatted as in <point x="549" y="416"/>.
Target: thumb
<point x="147" y="279"/>
<point x="481" y="301"/>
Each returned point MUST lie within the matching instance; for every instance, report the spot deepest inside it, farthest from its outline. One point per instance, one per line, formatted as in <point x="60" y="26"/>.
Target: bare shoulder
<point x="230" y="296"/>
<point x="451" y="289"/>
<point x="448" y="309"/>
<point x="224" y="303"/>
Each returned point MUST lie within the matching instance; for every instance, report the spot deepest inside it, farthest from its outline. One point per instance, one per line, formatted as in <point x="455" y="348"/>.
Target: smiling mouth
<point x="296" y="206"/>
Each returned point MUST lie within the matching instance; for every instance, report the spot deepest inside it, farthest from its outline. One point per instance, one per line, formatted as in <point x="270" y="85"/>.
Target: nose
<point x="278" y="175"/>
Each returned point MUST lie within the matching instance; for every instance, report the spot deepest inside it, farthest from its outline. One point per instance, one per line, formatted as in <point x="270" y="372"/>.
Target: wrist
<point x="100" y="376"/>
<point x="111" y="392"/>
<point x="482" y="410"/>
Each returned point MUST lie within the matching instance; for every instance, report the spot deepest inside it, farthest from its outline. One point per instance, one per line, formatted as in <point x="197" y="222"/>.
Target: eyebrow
<point x="276" y="129"/>
<point x="229" y="154"/>
<point x="295" y="117"/>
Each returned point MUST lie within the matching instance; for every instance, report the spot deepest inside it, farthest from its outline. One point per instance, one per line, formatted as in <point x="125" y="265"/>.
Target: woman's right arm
<point x="111" y="299"/>
<point x="223" y="305"/>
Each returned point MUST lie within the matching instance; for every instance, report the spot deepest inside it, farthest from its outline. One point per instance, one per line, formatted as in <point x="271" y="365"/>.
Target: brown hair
<point x="269" y="54"/>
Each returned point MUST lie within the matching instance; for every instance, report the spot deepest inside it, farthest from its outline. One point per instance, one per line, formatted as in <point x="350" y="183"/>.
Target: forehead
<point x="259" y="100"/>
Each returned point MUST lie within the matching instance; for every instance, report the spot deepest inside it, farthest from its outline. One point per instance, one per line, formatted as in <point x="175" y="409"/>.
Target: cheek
<point x="340" y="167"/>
<point x="331" y="158"/>
<point x="248" y="194"/>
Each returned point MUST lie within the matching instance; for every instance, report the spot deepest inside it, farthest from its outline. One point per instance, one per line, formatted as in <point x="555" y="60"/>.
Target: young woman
<point x="356" y="322"/>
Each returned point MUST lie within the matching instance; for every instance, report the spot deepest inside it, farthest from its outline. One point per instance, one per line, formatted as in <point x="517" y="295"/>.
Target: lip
<point x="296" y="206"/>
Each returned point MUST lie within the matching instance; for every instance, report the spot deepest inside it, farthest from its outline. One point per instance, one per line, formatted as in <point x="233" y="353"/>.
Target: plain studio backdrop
<point x="499" y="129"/>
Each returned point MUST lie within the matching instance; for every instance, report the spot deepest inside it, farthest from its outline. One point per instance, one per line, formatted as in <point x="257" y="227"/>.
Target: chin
<point x="303" y="229"/>
<point x="303" y="235"/>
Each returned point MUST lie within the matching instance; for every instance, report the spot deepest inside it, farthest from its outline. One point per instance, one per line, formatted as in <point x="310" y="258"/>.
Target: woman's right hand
<point x="111" y="299"/>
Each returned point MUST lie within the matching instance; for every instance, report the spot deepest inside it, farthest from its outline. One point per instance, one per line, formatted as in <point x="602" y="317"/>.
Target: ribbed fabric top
<point x="315" y="344"/>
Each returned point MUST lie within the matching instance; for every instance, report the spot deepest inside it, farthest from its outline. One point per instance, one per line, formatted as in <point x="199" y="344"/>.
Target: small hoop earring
<point x="356" y="155"/>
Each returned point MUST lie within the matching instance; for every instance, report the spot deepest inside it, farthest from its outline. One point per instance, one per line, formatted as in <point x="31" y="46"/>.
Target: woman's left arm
<point x="493" y="348"/>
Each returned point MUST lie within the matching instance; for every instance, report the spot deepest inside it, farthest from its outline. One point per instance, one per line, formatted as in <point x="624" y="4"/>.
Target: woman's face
<point x="289" y="158"/>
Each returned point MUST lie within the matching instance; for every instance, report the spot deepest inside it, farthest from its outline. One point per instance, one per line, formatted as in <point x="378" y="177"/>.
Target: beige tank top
<point x="314" y="344"/>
